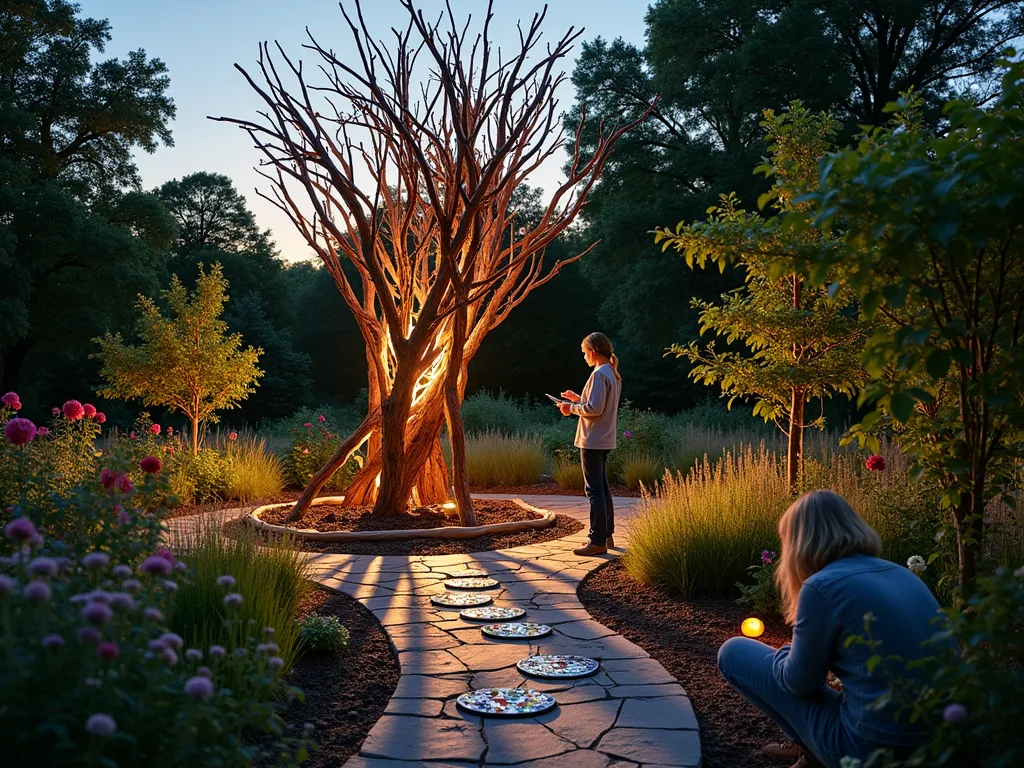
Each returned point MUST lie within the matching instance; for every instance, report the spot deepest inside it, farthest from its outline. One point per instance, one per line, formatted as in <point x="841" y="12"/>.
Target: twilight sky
<point x="201" y="40"/>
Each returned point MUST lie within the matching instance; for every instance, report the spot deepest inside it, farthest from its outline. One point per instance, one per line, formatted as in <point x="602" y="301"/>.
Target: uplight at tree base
<point x="752" y="627"/>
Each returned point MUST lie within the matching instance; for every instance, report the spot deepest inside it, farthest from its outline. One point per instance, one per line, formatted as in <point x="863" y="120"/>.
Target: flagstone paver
<point x="631" y="713"/>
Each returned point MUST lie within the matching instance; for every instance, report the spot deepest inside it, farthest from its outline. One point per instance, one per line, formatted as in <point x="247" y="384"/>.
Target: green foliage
<point x="567" y="471"/>
<point x="201" y="477"/>
<point x="322" y="633"/>
<point x="641" y="470"/>
<point x="253" y="472"/>
<point x="494" y="459"/>
<point x="641" y="443"/>
<point x="483" y="412"/>
<point x="934" y="250"/>
<point x="763" y="595"/>
<point x="186" y="362"/>
<point x="272" y="574"/>
<point x="313" y="444"/>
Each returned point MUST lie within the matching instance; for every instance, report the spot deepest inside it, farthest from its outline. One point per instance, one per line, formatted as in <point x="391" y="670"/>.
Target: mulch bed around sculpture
<point x="334" y="517"/>
<point x="346" y="691"/>
<point x="684" y="636"/>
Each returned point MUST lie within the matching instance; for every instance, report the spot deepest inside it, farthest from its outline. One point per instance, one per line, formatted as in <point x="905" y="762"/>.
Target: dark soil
<point x="345" y="691"/>
<point x="684" y="636"/>
<point x="334" y="517"/>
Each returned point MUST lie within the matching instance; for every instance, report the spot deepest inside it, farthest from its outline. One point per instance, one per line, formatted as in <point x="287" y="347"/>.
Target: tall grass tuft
<point x="253" y="471"/>
<point x="271" y="575"/>
<point x="493" y="458"/>
<point x="567" y="473"/>
<point x="642" y="470"/>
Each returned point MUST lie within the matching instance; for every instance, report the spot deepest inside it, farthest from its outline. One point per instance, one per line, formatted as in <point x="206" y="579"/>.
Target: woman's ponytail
<point x="602" y="345"/>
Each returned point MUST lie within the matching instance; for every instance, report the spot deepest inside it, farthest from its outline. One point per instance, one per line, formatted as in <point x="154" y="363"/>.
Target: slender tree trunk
<point x="796" y="439"/>
<point x="456" y="431"/>
<point x="195" y="436"/>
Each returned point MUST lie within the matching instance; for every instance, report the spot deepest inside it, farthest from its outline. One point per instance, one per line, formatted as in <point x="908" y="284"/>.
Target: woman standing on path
<point x="597" y="409"/>
<point x="830" y="577"/>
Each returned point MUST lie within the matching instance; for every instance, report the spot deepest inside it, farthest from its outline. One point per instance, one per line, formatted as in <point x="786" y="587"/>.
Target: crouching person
<point x="830" y="576"/>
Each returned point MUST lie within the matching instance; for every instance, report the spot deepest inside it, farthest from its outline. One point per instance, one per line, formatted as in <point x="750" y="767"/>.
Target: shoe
<point x="591" y="549"/>
<point x="609" y="543"/>
<point x="782" y="751"/>
<point x="807" y="761"/>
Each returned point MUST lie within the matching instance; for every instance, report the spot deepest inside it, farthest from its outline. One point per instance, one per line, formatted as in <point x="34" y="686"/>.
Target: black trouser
<point x="595" y="485"/>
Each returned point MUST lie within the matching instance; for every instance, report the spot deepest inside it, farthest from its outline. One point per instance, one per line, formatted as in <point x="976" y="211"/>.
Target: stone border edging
<point x="546" y="520"/>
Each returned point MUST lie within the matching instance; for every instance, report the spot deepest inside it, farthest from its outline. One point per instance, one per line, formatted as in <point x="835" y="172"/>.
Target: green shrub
<point x="313" y="445"/>
<point x="641" y="470"/>
<point x="641" y="434"/>
<point x="272" y="574"/>
<point x="253" y="472"/>
<point x="567" y="471"/>
<point x="484" y="412"/>
<point x="198" y="478"/>
<point x="322" y="633"/>
<point x="763" y="595"/>
<point x="493" y="458"/>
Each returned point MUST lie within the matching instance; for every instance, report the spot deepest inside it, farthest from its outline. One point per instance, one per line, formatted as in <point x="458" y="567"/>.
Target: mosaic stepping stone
<point x="516" y="630"/>
<point x="470" y="583"/>
<point x="557" y="666"/>
<point x="467" y="573"/>
<point x="460" y="599"/>
<point x="493" y="613"/>
<point x="507" y="702"/>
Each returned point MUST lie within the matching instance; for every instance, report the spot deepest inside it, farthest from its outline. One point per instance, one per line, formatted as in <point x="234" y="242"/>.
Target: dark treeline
<point x="80" y="238"/>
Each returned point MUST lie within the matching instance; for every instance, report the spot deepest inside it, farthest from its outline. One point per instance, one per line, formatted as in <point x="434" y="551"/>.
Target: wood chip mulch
<point x="346" y="691"/>
<point x="684" y="636"/>
<point x="334" y="517"/>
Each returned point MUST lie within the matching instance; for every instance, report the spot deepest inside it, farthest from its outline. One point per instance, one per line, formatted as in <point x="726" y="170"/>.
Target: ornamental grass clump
<point x="567" y="471"/>
<point x="322" y="633"/>
<point x="495" y="459"/>
<point x="253" y="472"/>
<point x="92" y="674"/>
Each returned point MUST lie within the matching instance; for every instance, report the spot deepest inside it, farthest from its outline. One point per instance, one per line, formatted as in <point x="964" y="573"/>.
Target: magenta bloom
<point x="627" y="433"/>
<point x="19" y="431"/>
<point x="155" y="429"/>
<point x="53" y="642"/>
<point x="954" y="713"/>
<point x="199" y="687"/>
<point x="97" y="613"/>
<point x="11" y="400"/>
<point x="124" y="484"/>
<point x="100" y="417"/>
<point x="322" y="418"/>
<point x="108" y="651"/>
<point x="108" y="478"/>
<point x="307" y="425"/>
<point x="170" y="430"/>
<point x="55" y="411"/>
<point x="151" y="465"/>
<point x="73" y="410"/>
<point x="42" y="432"/>
<point x="89" y="410"/>
<point x="37" y="592"/>
<point x="156" y="566"/>
<point x="20" y="529"/>
<point x="100" y="724"/>
<point x="875" y="463"/>
<point x="767" y="557"/>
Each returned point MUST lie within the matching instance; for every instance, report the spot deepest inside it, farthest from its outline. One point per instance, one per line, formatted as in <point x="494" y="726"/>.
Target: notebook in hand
<point x="557" y="400"/>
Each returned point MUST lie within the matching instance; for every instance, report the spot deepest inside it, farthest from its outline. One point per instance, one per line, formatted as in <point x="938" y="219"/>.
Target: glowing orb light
<point x="752" y="627"/>
<point x="448" y="505"/>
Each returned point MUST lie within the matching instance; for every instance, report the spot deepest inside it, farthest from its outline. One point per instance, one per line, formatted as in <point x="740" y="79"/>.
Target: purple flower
<point x="204" y="671"/>
<point x="42" y="431"/>
<point x="233" y="599"/>
<point x="156" y="644"/>
<point x="37" y="591"/>
<point x="954" y="713"/>
<point x="275" y="662"/>
<point x="122" y="601"/>
<point x="180" y="566"/>
<point x="100" y="724"/>
<point x="89" y="635"/>
<point x="169" y="656"/>
<point x="217" y="652"/>
<point x="226" y="581"/>
<point x="53" y="642"/>
<point x="172" y="640"/>
<point x="171" y="586"/>
<point x="7" y="584"/>
<point x="154" y="614"/>
<point x="199" y="687"/>
<point x="96" y="560"/>
<point x="767" y="557"/>
<point x="131" y="585"/>
<point x="97" y="613"/>
<point x="156" y="566"/>
<point x="20" y="529"/>
<point x="108" y="651"/>
<point x="627" y="433"/>
<point x="43" y="566"/>
<point x="19" y="431"/>
<point x="122" y="571"/>
<point x="194" y="654"/>
<point x="269" y="631"/>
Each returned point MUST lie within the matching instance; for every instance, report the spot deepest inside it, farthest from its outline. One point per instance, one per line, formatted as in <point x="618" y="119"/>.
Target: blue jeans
<point x="595" y="485"/>
<point x="811" y="721"/>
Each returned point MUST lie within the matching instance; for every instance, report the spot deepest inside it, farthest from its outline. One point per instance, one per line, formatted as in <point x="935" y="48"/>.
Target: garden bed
<point x="684" y="636"/>
<point x="548" y="489"/>
<point x="346" y="691"/>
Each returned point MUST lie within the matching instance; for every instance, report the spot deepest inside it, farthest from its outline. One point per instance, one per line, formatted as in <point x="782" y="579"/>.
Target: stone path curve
<point x="631" y="713"/>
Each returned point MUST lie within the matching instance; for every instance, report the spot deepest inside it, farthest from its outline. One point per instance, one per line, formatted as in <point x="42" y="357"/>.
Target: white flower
<point x="917" y="564"/>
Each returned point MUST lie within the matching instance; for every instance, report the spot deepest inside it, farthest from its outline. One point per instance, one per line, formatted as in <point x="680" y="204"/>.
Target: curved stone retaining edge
<point x="546" y="520"/>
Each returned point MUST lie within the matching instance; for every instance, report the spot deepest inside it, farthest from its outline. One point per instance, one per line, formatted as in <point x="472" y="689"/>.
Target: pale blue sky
<point x="201" y="41"/>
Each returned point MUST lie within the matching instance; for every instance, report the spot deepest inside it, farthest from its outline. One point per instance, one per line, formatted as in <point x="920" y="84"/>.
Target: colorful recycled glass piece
<point x="493" y="613"/>
<point x="507" y="702"/>
<point x="557" y="666"/>
<point x="516" y="630"/>
<point x="460" y="599"/>
<point x="470" y="583"/>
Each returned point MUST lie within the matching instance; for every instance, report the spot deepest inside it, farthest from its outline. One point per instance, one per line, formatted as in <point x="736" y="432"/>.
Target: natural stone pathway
<point x="631" y="713"/>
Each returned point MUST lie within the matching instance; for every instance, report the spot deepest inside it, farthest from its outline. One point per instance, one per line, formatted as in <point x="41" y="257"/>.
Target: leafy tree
<point x="188" y="361"/>
<point x="933" y="244"/>
<point x="74" y="244"/>
<point x="801" y="340"/>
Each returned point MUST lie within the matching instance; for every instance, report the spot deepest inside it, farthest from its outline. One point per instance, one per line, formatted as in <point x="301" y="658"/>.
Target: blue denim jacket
<point x="830" y="608"/>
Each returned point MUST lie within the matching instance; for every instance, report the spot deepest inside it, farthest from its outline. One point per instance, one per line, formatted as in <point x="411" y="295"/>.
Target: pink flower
<point x="19" y="431"/>
<point x="522" y="231"/>
<point x="73" y="410"/>
<point x="307" y="425"/>
<point x="20" y="529"/>
<point x="155" y="429"/>
<point x="100" y="417"/>
<point x="42" y="432"/>
<point x="55" y="411"/>
<point x="11" y="400"/>
<point x="305" y="450"/>
<point x="875" y="463"/>
<point x="767" y="557"/>
<point x="627" y="433"/>
<point x="89" y="410"/>
<point x="131" y="435"/>
<point x="199" y="687"/>
<point x="150" y="465"/>
<point x="108" y="477"/>
<point x="232" y="436"/>
<point x="124" y="484"/>
<point x="108" y="651"/>
<point x="322" y="418"/>
<point x="170" y="429"/>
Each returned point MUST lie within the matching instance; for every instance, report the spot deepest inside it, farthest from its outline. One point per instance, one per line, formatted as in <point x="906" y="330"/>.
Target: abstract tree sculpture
<point x="405" y="164"/>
